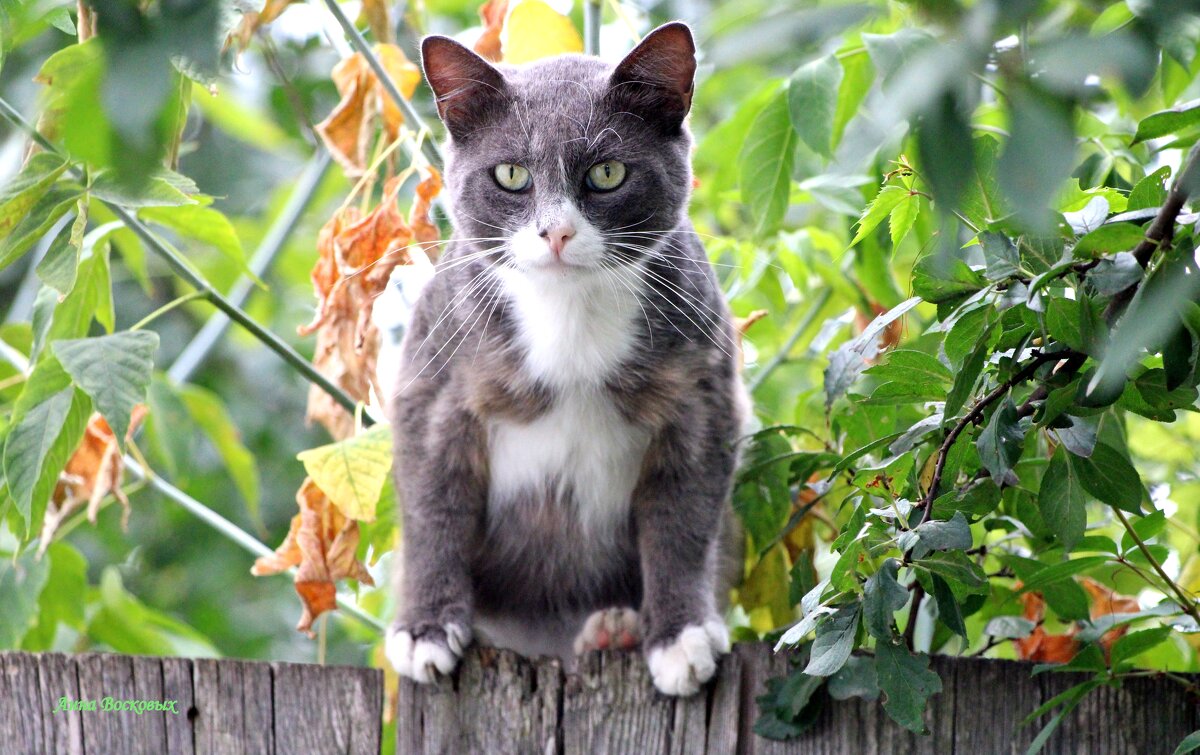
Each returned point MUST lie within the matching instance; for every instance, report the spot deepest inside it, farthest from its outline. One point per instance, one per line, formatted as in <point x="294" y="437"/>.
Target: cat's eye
<point x="511" y="177"/>
<point x="605" y="176"/>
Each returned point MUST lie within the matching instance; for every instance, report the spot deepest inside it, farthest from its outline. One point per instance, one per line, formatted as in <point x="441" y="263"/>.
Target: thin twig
<point x="1187" y="603"/>
<point x="910" y="630"/>
<point x="428" y="147"/>
<point x="972" y="416"/>
<point x="181" y="268"/>
<point x="785" y="350"/>
<point x="591" y="27"/>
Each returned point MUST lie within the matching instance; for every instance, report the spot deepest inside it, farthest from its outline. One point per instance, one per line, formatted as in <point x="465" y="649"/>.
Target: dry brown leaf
<point x="740" y="326"/>
<point x="93" y="471"/>
<point x="1044" y="647"/>
<point x="492" y="14"/>
<point x="349" y="129"/>
<point x="323" y="543"/>
<point x="376" y="14"/>
<point x="252" y="21"/>
<point x="357" y="253"/>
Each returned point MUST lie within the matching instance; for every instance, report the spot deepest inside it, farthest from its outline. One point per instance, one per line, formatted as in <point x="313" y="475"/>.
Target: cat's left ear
<point x="468" y="90"/>
<point x="655" y="79"/>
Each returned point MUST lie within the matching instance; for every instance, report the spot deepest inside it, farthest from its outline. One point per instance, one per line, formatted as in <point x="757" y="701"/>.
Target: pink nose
<point x="557" y="237"/>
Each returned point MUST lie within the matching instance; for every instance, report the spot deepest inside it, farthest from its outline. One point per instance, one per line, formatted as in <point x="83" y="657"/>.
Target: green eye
<point x="511" y="177"/>
<point x="605" y="176"/>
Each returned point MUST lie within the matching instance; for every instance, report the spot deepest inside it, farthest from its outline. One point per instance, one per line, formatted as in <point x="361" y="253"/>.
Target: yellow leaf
<point x="352" y="472"/>
<point x="535" y="30"/>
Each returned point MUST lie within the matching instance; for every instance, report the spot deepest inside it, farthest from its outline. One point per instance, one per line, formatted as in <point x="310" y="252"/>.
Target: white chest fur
<point x="575" y="334"/>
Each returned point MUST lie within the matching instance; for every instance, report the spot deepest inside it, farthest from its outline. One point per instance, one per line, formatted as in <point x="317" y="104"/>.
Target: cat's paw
<point x="615" y="628"/>
<point x="431" y="652"/>
<point x="680" y="666"/>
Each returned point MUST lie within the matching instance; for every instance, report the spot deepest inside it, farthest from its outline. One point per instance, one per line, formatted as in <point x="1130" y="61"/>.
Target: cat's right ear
<point x="465" y="86"/>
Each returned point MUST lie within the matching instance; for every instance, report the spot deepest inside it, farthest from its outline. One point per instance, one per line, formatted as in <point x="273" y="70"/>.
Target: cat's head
<point x="568" y="164"/>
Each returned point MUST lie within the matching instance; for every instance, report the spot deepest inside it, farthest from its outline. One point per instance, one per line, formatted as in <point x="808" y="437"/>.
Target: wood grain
<point x="500" y="703"/>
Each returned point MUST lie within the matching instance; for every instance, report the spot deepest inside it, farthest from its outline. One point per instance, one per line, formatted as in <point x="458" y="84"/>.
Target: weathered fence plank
<point x="222" y="707"/>
<point x="499" y="703"/>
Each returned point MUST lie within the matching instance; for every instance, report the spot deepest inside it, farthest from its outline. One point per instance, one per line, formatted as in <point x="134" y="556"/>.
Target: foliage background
<point x="802" y="121"/>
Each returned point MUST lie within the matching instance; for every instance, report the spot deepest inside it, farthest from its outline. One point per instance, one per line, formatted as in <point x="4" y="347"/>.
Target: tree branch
<point x="972" y="416"/>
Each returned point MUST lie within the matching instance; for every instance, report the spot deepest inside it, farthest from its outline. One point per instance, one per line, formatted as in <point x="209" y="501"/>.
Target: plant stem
<point x="233" y="532"/>
<point x="784" y="352"/>
<point x="910" y="629"/>
<point x="177" y="263"/>
<point x="976" y="412"/>
<point x="1187" y="603"/>
<point x="428" y="148"/>
<point x="591" y="27"/>
<point x="202" y="344"/>
<point x="176" y="302"/>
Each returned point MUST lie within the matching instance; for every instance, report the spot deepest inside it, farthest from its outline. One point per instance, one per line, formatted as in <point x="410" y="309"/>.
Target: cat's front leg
<point x="679" y="514"/>
<point x="443" y="490"/>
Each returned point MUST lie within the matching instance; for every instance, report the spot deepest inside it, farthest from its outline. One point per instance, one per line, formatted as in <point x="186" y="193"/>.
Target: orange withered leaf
<point x="357" y="253"/>
<point x="492" y="14"/>
<point x="323" y="543"/>
<point x="94" y="471"/>
<point x="1044" y="647"/>
<point x="252" y="21"/>
<point x="349" y="129"/>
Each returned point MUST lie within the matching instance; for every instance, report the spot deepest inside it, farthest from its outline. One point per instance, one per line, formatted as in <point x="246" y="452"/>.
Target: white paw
<point x="680" y="667"/>
<point x="609" y="628"/>
<point x="424" y="659"/>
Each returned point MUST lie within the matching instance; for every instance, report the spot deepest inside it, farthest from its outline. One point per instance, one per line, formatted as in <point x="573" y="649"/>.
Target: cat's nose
<point x="557" y="237"/>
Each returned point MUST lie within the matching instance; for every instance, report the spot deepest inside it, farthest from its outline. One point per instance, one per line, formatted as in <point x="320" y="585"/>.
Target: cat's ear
<point x="465" y="86"/>
<point x="655" y="79"/>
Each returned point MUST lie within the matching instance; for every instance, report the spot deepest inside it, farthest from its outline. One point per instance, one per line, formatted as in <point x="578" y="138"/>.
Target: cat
<point x="568" y="402"/>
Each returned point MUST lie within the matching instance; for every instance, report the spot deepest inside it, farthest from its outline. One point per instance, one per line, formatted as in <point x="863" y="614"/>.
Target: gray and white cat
<point x="568" y="401"/>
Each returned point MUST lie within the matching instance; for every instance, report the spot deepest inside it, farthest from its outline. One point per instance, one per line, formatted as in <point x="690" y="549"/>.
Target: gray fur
<point x="534" y="572"/>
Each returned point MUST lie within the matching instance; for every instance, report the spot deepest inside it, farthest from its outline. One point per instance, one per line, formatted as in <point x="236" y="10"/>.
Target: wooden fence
<point x="222" y="707"/>
<point x="499" y="704"/>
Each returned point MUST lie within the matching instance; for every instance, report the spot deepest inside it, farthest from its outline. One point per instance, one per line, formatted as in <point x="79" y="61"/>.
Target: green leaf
<point x="1110" y="476"/>
<point x="37" y="221"/>
<point x="1049" y="575"/>
<point x="812" y="102"/>
<point x="113" y="370"/>
<point x="983" y="202"/>
<point x="1150" y="192"/>
<point x="60" y="267"/>
<point x="203" y="224"/>
<point x="1165" y="122"/>
<point x="857" y="77"/>
<point x="949" y="611"/>
<point x="789" y="706"/>
<point x="1009" y="627"/>
<point x="846" y="364"/>
<point x="911" y="366"/>
<point x="1080" y="436"/>
<point x="907" y="684"/>
<point x="1001" y="441"/>
<point x="933" y="535"/>
<point x="162" y="188"/>
<point x="21" y="584"/>
<point x="938" y="278"/>
<point x="19" y="196"/>
<point x="62" y="600"/>
<point x="352" y="472"/>
<point x="879" y="209"/>
<point x="1108" y="239"/>
<point x="1190" y="743"/>
<point x="882" y="597"/>
<point x="1062" y="500"/>
<point x="972" y="367"/>
<point x="29" y="443"/>
<point x="60" y="18"/>
<point x="903" y="216"/>
<point x="1039" y="154"/>
<point x="858" y="678"/>
<point x="1135" y="643"/>
<point x="126" y="625"/>
<point x="955" y="567"/>
<point x="765" y="165"/>
<point x="209" y="413"/>
<point x="834" y="641"/>
<point x="1001" y="255"/>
